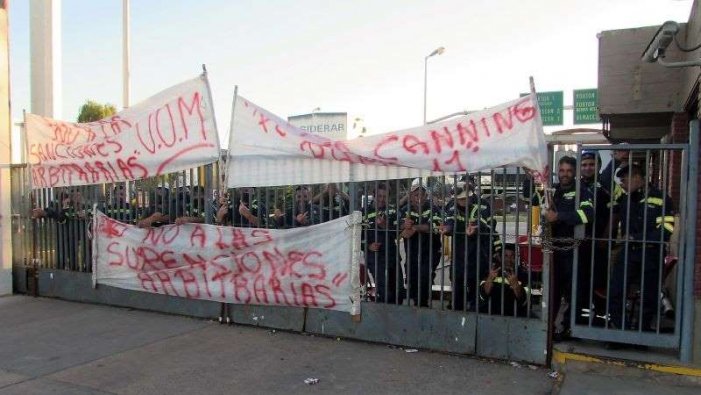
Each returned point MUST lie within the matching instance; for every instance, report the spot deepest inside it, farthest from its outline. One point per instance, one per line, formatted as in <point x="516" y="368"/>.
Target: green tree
<point x="93" y="111"/>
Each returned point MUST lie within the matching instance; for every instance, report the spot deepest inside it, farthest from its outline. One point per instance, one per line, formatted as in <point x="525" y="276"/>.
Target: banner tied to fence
<point x="171" y="131"/>
<point x="266" y="150"/>
<point x="315" y="266"/>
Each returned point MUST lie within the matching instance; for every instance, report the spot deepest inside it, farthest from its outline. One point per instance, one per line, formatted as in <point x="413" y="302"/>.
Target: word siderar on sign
<point x="173" y="130"/>
<point x="328" y="124"/>
<point x="305" y="267"/>
<point x="508" y="134"/>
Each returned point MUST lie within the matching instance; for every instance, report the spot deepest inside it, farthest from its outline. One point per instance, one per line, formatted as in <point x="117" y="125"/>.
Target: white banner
<point x="315" y="266"/>
<point x="171" y="131"/>
<point x="265" y="150"/>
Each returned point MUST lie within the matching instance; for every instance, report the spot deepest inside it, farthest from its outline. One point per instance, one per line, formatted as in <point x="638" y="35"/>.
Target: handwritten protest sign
<point x="304" y="267"/>
<point x="266" y="150"/>
<point x="171" y="131"/>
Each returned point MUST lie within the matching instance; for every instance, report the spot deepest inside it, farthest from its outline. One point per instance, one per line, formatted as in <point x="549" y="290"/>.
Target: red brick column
<point x="679" y="135"/>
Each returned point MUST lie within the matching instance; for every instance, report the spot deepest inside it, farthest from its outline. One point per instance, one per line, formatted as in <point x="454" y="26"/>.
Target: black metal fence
<point x="460" y="243"/>
<point x="469" y="243"/>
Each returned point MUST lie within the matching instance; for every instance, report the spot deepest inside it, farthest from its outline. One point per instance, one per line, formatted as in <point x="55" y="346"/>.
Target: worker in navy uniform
<point x="647" y="225"/>
<point x="474" y="242"/>
<point x="191" y="202"/>
<point x="506" y="285"/>
<point x="332" y="202"/>
<point x="118" y="206"/>
<point x="420" y="229"/>
<point x="248" y="212"/>
<point x="68" y="212"/>
<point x="563" y="215"/>
<point x="594" y="267"/>
<point x="381" y="255"/>
<point x="607" y="178"/>
<point x="599" y="194"/>
<point x="155" y="208"/>
<point x="302" y="212"/>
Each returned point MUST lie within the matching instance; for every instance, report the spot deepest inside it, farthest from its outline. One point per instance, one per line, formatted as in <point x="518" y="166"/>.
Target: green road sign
<point x="550" y="104"/>
<point x="586" y="106"/>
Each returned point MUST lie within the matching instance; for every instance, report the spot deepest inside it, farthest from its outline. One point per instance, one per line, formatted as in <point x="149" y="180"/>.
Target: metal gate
<point x="632" y="260"/>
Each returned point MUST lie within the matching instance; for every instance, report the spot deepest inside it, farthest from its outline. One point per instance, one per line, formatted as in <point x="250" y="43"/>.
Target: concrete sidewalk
<point x="53" y="346"/>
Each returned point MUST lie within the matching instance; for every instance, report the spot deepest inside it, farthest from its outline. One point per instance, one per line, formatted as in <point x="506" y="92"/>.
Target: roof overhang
<point x="637" y="128"/>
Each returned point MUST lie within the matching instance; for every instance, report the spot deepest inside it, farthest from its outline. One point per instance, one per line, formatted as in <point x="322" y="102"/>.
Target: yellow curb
<point x="562" y="357"/>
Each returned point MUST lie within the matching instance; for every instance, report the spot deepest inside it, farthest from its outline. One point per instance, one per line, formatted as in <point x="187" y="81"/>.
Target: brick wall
<point x="679" y="135"/>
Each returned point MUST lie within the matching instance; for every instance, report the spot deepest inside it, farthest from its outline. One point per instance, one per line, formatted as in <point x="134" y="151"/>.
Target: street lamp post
<point x="437" y="51"/>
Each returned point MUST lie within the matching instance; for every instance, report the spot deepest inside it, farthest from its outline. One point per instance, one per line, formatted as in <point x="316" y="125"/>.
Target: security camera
<point x="660" y="42"/>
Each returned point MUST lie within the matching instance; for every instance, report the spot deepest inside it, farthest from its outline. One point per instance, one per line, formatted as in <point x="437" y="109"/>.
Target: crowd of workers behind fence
<point x="440" y="242"/>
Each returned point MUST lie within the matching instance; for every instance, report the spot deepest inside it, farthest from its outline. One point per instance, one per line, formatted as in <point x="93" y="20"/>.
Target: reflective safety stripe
<point x="583" y="216"/>
<point x="666" y="218"/>
<point x="669" y="227"/>
<point x="374" y="214"/>
<point x="427" y="212"/>
<point x="654" y="201"/>
<point x="586" y="203"/>
<point x="473" y="213"/>
<point x="569" y="194"/>
<point x="120" y="211"/>
<point x="617" y="192"/>
<point x="497" y="242"/>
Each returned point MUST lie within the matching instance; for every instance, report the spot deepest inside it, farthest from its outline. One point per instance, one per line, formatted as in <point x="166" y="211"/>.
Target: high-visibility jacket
<point x="569" y="214"/>
<point x="649" y="220"/>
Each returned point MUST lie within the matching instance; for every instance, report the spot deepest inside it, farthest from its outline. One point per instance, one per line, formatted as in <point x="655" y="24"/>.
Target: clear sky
<point x="364" y="57"/>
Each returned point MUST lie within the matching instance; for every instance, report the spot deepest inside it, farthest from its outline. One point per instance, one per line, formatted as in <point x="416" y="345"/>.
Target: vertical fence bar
<point x="578" y="234"/>
<point x="661" y="255"/>
<point x="645" y="242"/>
<point x="690" y="179"/>
<point x="609" y="244"/>
<point x="626" y="251"/>
<point x="504" y="275"/>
